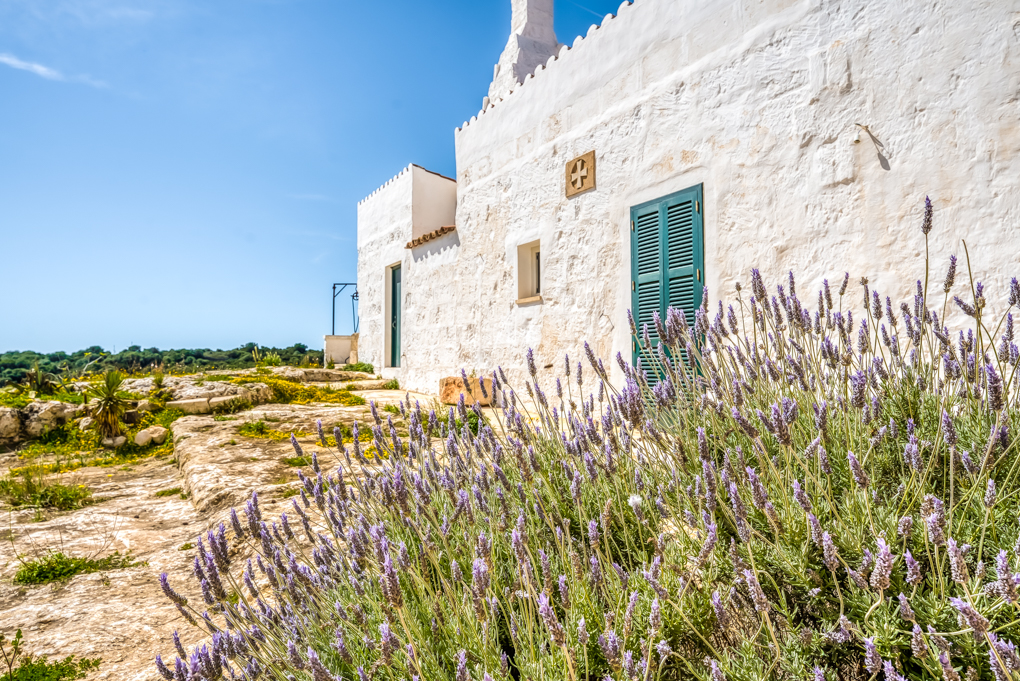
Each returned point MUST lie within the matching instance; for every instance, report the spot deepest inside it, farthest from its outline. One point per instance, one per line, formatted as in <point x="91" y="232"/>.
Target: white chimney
<point x="532" y="42"/>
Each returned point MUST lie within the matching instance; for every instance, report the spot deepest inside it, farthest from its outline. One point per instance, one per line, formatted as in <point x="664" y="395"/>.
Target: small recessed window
<point x="529" y="273"/>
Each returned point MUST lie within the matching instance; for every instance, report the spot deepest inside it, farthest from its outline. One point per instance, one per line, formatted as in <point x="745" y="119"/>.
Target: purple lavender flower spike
<point x="858" y="387"/>
<point x="716" y="672"/>
<point x="906" y="612"/>
<point x="294" y="657"/>
<point x="296" y="446"/>
<point x="918" y="646"/>
<point x="609" y="642"/>
<point x="235" y="523"/>
<point x="949" y="430"/>
<point x="162" y="669"/>
<point x="1005" y="584"/>
<point x="948" y="672"/>
<point x="548" y="616"/>
<point x="995" y="389"/>
<point x="957" y="565"/>
<point x="883" y="566"/>
<point x="890" y="672"/>
<point x="829" y="552"/>
<point x="720" y="610"/>
<point x="761" y="603"/>
<point x="872" y="660"/>
<point x="970" y="615"/>
<point x="801" y="496"/>
<point x="913" y="568"/>
<point x="181" y="652"/>
<point x="164" y="583"/>
<point x="860" y="477"/>
<point x="582" y="632"/>
<point x="746" y="426"/>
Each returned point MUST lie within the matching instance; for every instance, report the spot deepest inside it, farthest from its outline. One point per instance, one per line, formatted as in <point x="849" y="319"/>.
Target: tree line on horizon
<point x="15" y="365"/>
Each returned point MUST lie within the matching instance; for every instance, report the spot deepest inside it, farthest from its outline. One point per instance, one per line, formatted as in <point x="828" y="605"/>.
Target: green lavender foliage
<point x="54" y="567"/>
<point x="16" y="665"/>
<point x="746" y="515"/>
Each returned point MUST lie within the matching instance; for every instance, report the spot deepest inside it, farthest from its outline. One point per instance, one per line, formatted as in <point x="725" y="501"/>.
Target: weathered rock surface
<point x="122" y="615"/>
<point x="10" y="425"/>
<point x="34" y="419"/>
<point x="198" y="386"/>
<point x="220" y="467"/>
<point x="157" y="434"/>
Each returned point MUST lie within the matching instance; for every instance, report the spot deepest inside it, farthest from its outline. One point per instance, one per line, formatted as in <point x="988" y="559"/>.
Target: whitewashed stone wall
<point x="413" y="203"/>
<point x="758" y="100"/>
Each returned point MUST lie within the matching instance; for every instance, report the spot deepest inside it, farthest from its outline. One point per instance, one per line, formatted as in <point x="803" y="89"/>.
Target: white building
<point x="721" y="135"/>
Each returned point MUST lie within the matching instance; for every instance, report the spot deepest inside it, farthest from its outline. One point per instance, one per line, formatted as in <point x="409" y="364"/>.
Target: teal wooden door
<point x="395" y="290"/>
<point x="667" y="262"/>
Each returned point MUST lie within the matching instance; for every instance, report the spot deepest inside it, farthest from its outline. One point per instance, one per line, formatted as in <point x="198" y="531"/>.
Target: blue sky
<point x="185" y="173"/>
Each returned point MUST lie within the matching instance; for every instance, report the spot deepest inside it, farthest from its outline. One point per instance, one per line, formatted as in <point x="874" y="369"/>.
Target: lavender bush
<point x="819" y="493"/>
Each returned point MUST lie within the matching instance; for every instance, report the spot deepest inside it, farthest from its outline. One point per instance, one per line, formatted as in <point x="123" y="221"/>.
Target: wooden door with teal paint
<point x="395" y="305"/>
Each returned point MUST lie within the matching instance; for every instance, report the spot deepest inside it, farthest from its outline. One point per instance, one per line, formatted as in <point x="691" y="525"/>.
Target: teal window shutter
<point x="667" y="263"/>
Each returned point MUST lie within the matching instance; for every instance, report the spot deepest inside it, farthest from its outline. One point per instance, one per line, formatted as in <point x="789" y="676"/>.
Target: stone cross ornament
<point x="581" y="174"/>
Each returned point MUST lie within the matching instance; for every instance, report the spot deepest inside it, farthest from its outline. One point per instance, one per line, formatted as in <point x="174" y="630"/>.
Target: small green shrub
<point x="29" y="668"/>
<point x="168" y="492"/>
<point x="392" y="384"/>
<point x="13" y="399"/>
<point x="272" y="359"/>
<point x="28" y="486"/>
<point x="232" y="407"/>
<point x="187" y="546"/>
<point x="297" y="461"/>
<point x="57" y="566"/>
<point x="391" y="408"/>
<point x="363" y="367"/>
<point x="111" y="403"/>
<point x="254" y="429"/>
<point x="40" y="382"/>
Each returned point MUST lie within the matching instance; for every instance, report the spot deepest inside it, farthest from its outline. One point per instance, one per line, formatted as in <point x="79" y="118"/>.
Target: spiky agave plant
<point x="811" y="497"/>
<point x="40" y="382"/>
<point x="108" y="402"/>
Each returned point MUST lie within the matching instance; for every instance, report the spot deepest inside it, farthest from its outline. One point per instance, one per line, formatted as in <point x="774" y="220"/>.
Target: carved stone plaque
<point x="581" y="174"/>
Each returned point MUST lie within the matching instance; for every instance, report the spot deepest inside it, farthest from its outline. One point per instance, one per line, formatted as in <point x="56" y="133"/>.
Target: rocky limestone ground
<point x="121" y="615"/>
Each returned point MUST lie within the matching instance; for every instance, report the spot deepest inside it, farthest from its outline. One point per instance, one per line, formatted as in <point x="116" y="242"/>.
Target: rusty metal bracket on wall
<point x="354" y="304"/>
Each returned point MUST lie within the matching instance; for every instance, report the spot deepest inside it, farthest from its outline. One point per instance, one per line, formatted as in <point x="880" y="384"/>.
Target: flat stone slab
<point x="220" y="467"/>
<point x="193" y="406"/>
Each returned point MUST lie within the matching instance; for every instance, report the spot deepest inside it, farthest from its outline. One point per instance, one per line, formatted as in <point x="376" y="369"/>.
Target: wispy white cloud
<point x="91" y="13"/>
<point x="37" y="69"/>
<point x="46" y="72"/>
